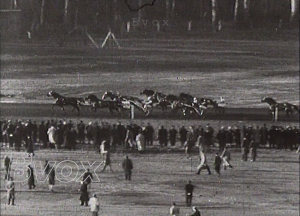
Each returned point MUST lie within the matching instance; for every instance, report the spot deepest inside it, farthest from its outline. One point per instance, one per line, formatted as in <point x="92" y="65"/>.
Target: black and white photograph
<point x="149" y="108"/>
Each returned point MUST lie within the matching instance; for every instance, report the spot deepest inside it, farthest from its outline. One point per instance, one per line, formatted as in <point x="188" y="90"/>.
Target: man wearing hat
<point x="94" y="204"/>
<point x="189" y="188"/>
<point x="127" y="167"/>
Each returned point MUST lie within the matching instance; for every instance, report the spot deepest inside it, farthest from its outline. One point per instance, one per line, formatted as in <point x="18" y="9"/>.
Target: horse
<point x="155" y="99"/>
<point x="211" y="103"/>
<point x="273" y="105"/>
<point x="127" y="101"/>
<point x="98" y="103"/>
<point x="293" y="108"/>
<point x="62" y="101"/>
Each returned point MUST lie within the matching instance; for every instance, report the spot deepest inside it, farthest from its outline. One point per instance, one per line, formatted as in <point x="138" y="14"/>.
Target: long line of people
<point x="61" y="134"/>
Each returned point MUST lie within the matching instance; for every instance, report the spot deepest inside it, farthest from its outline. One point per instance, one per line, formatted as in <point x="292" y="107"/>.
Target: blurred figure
<point x="80" y="132"/>
<point x="51" y="178"/>
<point x="149" y="134"/>
<point x="217" y="164"/>
<point x="174" y="210"/>
<point x="84" y="196"/>
<point x="87" y="177"/>
<point x="94" y="204"/>
<point x="10" y="189"/>
<point x="162" y="136"/>
<point x="172" y="136"/>
<point x="225" y="156"/>
<point x="140" y="141"/>
<point x="196" y="212"/>
<point x="203" y="164"/>
<point x="30" y="176"/>
<point x="7" y="165"/>
<point x="182" y="135"/>
<point x="189" y="189"/>
<point x="107" y="163"/>
<point x="127" y="167"/>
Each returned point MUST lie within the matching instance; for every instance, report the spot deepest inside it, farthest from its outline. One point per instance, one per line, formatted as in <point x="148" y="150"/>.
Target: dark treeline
<point x="97" y="15"/>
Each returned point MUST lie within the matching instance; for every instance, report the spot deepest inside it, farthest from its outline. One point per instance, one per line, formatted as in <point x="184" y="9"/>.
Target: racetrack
<point x="242" y="71"/>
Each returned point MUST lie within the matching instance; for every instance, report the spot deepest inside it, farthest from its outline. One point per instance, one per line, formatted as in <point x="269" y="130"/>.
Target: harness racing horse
<point x="62" y="101"/>
<point x="211" y="103"/>
<point x="156" y="99"/>
<point x="96" y="103"/>
<point x="126" y="101"/>
<point x="287" y="107"/>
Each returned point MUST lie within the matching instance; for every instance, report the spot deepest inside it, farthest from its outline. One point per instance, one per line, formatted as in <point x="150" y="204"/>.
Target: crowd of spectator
<point x="61" y="134"/>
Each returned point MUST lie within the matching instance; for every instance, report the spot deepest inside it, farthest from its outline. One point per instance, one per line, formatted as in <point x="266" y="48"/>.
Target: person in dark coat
<point x="237" y="137"/>
<point x="87" y="177"/>
<point x="80" y="132"/>
<point x="34" y="132"/>
<point x="7" y="165"/>
<point x="96" y="136"/>
<point x="43" y="137"/>
<point x="183" y="135"/>
<point x="272" y="137"/>
<point x="51" y="178"/>
<point x="18" y="137"/>
<point x="221" y="137"/>
<point x="149" y="134"/>
<point x="84" y="196"/>
<point x="46" y="167"/>
<point x="189" y="188"/>
<point x="162" y="136"/>
<point x="30" y="176"/>
<point x="264" y="133"/>
<point x="172" y="136"/>
<point x="245" y="143"/>
<point x="217" y="164"/>
<point x="127" y="167"/>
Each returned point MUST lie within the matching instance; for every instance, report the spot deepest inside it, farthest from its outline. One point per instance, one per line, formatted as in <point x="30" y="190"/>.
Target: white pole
<point x="131" y="111"/>
<point x="276" y="114"/>
<point x="128" y="27"/>
<point x="189" y="25"/>
<point x="158" y="27"/>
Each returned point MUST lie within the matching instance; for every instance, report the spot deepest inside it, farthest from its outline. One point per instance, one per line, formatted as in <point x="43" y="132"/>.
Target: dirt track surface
<point x="19" y="110"/>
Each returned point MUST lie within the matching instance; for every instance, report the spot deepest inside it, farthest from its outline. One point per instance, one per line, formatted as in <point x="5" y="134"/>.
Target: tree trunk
<point x="214" y="14"/>
<point x="66" y="20"/>
<point x="42" y="16"/>
<point x="294" y="9"/>
<point x="173" y="10"/>
<point x="246" y="10"/>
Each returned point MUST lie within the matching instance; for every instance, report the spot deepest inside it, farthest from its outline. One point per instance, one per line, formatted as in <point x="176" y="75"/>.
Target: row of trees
<point x="111" y="13"/>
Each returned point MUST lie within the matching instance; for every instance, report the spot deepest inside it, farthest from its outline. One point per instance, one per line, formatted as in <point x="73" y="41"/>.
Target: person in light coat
<point x="203" y="164"/>
<point x="94" y="204"/>
<point x="51" y="136"/>
<point x="140" y="141"/>
<point x="226" y="158"/>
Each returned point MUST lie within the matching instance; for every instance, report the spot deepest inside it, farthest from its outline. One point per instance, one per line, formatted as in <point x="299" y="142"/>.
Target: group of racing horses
<point x="184" y="102"/>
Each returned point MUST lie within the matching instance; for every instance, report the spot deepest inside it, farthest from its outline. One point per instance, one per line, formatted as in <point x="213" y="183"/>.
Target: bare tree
<point x="294" y="9"/>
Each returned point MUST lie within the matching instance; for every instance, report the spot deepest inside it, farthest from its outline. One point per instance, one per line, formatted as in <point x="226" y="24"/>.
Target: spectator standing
<point x="189" y="189"/>
<point x="183" y="135"/>
<point x="84" y="196"/>
<point x="51" y="178"/>
<point x="162" y="136"/>
<point x="203" y="164"/>
<point x="30" y="176"/>
<point x="149" y="134"/>
<point x="94" y="204"/>
<point x="172" y="136"/>
<point x="217" y="164"/>
<point x="10" y="189"/>
<point x="127" y="167"/>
